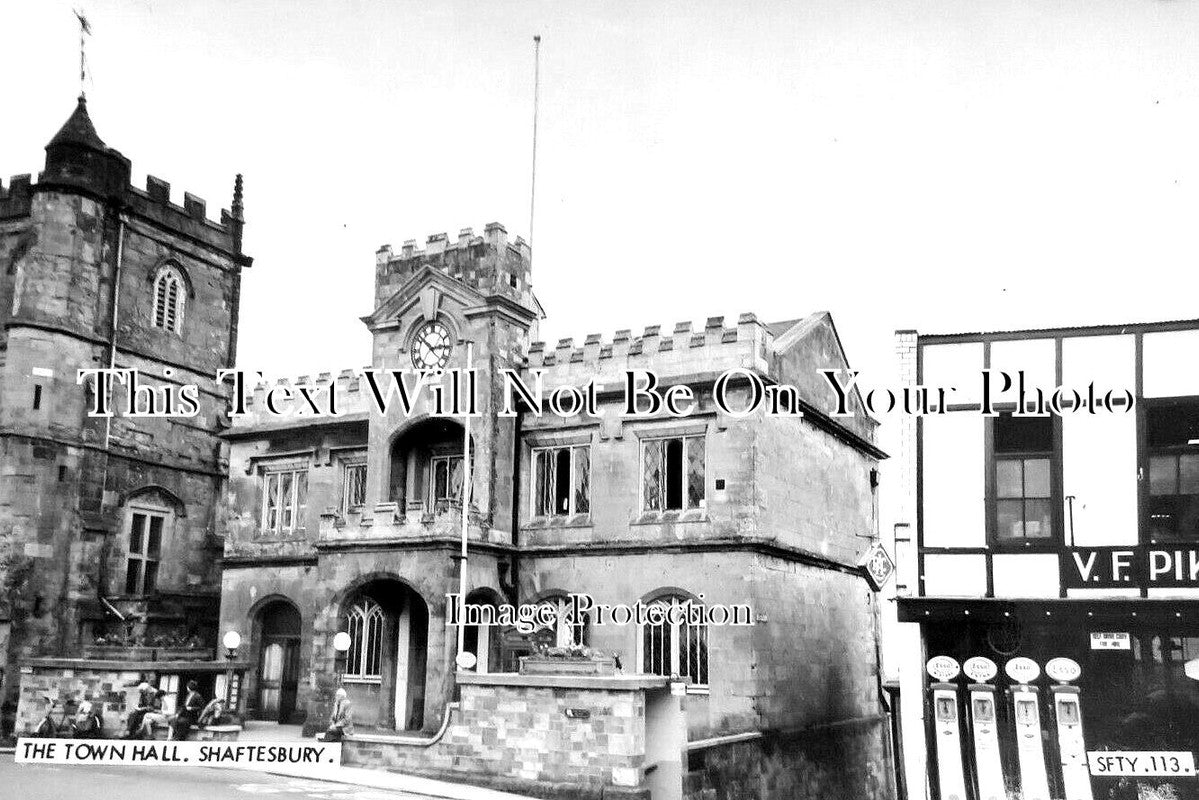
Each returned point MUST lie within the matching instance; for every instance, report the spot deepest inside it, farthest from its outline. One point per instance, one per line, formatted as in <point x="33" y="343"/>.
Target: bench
<point x="206" y="733"/>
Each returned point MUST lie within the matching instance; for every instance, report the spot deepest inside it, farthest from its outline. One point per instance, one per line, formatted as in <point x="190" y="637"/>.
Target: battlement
<point x="490" y="263"/>
<point x="686" y="348"/>
<point x="348" y="384"/>
<point x="78" y="162"/>
<point x="16" y="200"/>
<point x="155" y="202"/>
<point x="494" y="235"/>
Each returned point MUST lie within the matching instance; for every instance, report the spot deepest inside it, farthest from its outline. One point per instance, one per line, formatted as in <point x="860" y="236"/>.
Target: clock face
<point x="431" y="346"/>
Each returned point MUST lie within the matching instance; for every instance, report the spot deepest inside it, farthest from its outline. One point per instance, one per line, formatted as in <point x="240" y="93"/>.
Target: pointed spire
<point x="78" y="130"/>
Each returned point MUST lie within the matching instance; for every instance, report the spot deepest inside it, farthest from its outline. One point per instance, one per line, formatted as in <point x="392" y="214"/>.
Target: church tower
<point x="107" y="524"/>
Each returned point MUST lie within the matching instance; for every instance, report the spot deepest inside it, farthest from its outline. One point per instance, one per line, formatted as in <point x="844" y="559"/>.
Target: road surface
<point x="60" y="782"/>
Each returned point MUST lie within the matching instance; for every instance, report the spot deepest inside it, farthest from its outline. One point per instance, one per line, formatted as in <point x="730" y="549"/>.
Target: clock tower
<point x="429" y="304"/>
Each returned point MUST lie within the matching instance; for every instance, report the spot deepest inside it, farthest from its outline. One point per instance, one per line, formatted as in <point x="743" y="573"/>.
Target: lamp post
<point x="232" y="641"/>
<point x="466" y="486"/>
<point x="341" y="644"/>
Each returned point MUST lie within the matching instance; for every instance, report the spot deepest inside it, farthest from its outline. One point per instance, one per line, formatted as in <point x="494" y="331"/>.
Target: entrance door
<point x="270" y="680"/>
<point x="278" y="662"/>
<point x="290" y="680"/>
<point x="278" y="679"/>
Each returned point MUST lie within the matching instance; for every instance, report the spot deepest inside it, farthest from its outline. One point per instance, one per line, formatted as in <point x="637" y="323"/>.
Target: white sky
<point x="931" y="163"/>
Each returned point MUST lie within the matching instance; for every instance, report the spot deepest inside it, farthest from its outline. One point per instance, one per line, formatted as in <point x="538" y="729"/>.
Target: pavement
<point x="256" y="731"/>
<point x="68" y="782"/>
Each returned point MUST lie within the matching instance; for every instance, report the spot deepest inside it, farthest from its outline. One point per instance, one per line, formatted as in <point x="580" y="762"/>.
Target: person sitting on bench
<point x="341" y="721"/>
<point x="154" y="716"/>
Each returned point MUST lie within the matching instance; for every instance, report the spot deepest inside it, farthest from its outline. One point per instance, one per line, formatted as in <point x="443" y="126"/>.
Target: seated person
<point x="193" y="703"/>
<point x="89" y="724"/>
<point x="145" y="701"/>
<point x="213" y="713"/>
<point x="47" y="728"/>
<point x="154" y="716"/>
<point x="341" y="721"/>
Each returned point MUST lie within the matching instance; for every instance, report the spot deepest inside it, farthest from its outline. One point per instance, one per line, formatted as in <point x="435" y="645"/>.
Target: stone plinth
<point x="578" y="736"/>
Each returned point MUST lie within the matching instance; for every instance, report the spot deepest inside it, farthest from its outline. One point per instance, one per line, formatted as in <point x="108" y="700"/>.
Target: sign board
<point x="1119" y="763"/>
<point x="1022" y="670"/>
<point x="1131" y="567"/>
<point x="877" y="565"/>
<point x="943" y="668"/>
<point x="1110" y="640"/>
<point x="980" y="669"/>
<point x="1063" y="670"/>
<point x="264" y="756"/>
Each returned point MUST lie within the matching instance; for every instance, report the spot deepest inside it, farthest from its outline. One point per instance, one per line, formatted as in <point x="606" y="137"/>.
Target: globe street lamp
<point x="341" y="644"/>
<point x="232" y="642"/>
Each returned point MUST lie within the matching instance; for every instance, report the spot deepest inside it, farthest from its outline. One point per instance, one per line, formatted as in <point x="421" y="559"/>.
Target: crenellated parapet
<point x="15" y="201"/>
<point x="191" y="216"/>
<point x="687" y="348"/>
<point x="491" y="263"/>
<point x="79" y="163"/>
<point x="352" y="397"/>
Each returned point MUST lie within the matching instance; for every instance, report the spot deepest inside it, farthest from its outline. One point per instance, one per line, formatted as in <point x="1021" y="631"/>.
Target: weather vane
<point x="85" y="30"/>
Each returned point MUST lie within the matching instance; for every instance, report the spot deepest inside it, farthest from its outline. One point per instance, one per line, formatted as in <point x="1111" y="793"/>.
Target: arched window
<point x="677" y="644"/>
<point x="365" y="626"/>
<point x="169" y="297"/>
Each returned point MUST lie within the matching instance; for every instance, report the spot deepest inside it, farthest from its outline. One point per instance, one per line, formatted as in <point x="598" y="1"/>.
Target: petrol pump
<point x="1067" y="708"/>
<point x="947" y="728"/>
<point x="1026" y="708"/>
<point x="984" y="728"/>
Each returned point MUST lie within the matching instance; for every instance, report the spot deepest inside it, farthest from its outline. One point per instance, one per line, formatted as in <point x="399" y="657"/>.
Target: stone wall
<point x="512" y="731"/>
<point x="63" y="688"/>
<point x="809" y="659"/>
<point x="843" y="761"/>
<point x="60" y="684"/>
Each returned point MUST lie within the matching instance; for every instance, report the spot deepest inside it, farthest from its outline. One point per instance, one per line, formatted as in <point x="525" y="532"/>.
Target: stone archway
<point x="384" y="670"/>
<point x="425" y="466"/>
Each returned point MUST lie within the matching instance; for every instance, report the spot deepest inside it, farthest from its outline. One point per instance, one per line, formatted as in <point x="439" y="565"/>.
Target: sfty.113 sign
<point x="1131" y="567"/>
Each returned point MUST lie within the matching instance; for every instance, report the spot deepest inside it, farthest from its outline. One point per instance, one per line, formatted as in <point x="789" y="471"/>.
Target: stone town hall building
<point x="313" y="526"/>
<point x="353" y="523"/>
<point x="108" y="527"/>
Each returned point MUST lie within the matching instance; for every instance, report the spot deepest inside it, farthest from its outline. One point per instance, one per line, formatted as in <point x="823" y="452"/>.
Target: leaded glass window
<point x="673" y="474"/>
<point x="562" y="481"/>
<point x="365" y="626"/>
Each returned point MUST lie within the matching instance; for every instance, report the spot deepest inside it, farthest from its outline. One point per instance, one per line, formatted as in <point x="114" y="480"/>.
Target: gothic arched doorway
<point x="384" y="669"/>
<point x="278" y="660"/>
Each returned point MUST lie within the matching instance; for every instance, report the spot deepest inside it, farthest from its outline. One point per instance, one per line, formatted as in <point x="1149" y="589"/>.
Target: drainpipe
<point x="112" y="329"/>
<point x="104" y="386"/>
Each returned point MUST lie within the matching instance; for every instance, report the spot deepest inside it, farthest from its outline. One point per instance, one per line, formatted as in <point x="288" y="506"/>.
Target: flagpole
<point x="536" y="101"/>
<point x="466" y="482"/>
